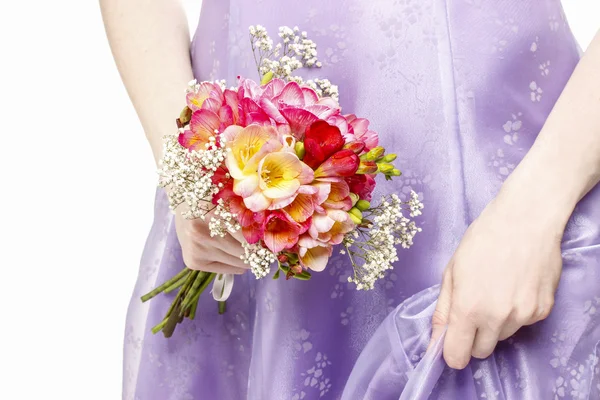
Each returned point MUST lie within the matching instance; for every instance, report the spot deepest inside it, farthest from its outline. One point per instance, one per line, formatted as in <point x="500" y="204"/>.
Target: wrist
<point x="543" y="198"/>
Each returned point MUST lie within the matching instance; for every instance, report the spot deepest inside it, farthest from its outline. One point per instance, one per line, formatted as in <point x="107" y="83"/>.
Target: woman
<point x="473" y="95"/>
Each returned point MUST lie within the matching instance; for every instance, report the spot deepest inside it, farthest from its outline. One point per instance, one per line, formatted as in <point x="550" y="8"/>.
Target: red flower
<point x="363" y="185"/>
<point x="321" y="142"/>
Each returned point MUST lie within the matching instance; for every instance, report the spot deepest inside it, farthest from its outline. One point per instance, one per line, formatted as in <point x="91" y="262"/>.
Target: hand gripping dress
<point x="459" y="89"/>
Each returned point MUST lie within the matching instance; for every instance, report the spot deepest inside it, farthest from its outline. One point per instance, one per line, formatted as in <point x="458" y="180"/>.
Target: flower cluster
<point x="376" y="242"/>
<point x="294" y="51"/>
<point x="279" y="161"/>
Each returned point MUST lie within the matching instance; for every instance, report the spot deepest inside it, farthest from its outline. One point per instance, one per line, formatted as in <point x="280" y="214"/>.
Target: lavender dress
<point x="459" y="89"/>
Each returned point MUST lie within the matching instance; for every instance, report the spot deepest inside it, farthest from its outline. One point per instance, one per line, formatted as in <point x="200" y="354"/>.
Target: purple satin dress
<point x="459" y="89"/>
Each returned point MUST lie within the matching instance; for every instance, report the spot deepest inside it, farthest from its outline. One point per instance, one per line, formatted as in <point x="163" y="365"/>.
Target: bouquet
<point x="278" y="161"/>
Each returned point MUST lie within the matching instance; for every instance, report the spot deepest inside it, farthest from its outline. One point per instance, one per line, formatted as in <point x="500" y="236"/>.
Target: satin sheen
<point x="459" y="89"/>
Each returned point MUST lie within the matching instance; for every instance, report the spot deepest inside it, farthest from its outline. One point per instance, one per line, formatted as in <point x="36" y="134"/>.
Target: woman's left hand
<point x="502" y="276"/>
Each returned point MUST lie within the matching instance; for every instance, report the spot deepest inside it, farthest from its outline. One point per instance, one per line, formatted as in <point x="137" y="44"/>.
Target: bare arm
<point x="505" y="271"/>
<point x="150" y="43"/>
<point x="564" y="163"/>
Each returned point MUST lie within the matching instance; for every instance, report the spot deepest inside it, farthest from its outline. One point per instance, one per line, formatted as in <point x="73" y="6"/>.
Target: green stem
<point x="175" y="285"/>
<point x="193" y="309"/>
<point x="162" y="287"/>
<point x="206" y="282"/>
<point x="222" y="307"/>
<point x="173" y="316"/>
<point x="198" y="279"/>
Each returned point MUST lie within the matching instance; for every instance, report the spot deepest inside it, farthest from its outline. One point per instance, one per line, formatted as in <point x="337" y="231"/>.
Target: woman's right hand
<point x="210" y="254"/>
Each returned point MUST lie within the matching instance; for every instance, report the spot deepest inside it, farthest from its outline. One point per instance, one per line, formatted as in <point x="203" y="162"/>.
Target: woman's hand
<point x="506" y="269"/>
<point x="210" y="254"/>
<point x="502" y="276"/>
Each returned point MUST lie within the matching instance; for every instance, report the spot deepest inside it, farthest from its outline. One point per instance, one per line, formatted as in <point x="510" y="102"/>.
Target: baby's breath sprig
<point x="294" y="51"/>
<point x="372" y="246"/>
<point x="187" y="175"/>
<point x="259" y="258"/>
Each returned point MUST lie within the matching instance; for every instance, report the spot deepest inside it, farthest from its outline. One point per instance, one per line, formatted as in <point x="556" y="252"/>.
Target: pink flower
<point x="289" y="106"/>
<point x="207" y="96"/>
<point x="339" y="196"/>
<point x="313" y="254"/>
<point x="203" y="125"/>
<point x="281" y="232"/>
<point x="359" y="128"/>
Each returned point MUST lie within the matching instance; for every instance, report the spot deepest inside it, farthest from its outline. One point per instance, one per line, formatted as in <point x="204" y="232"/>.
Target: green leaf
<point x="276" y="276"/>
<point x="303" y="276"/>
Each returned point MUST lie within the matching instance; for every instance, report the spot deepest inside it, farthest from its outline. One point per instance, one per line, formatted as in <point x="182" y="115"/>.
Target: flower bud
<point x="395" y="172"/>
<point x="355" y="219"/>
<point x="385" y="168"/>
<point x="388" y="158"/>
<point x="266" y="78"/>
<point x="375" y="153"/>
<point x="356" y="212"/>
<point x="185" y="116"/>
<point x="299" y="149"/>
<point x="354" y="198"/>
<point x="367" y="167"/>
<point x="283" y="258"/>
<point x="356" y="146"/>
<point x="363" y="205"/>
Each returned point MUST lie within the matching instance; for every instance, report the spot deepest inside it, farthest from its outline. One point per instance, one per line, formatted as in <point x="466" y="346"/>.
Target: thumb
<point x="442" y="309"/>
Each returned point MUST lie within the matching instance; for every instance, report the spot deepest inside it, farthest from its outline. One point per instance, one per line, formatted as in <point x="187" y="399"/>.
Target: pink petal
<point x="280" y="232"/>
<point x="252" y="113"/>
<point x="212" y="104"/>
<point x="340" y="122"/>
<point x="273" y="88"/>
<point x="269" y="108"/>
<point x="252" y="234"/>
<point x="257" y="202"/>
<point x="307" y="175"/>
<point x="316" y="258"/>
<point x="302" y="208"/>
<point x="231" y="132"/>
<point x="308" y="189"/>
<point x="343" y="163"/>
<point x="322" y="111"/>
<point x="245" y="187"/>
<point x="322" y="223"/>
<point x="329" y="102"/>
<point x="202" y="126"/>
<point x="310" y="96"/>
<point x="299" y="120"/>
<point x="324" y="190"/>
<point x="226" y="115"/>
<point x="291" y="95"/>
<point x="281" y="203"/>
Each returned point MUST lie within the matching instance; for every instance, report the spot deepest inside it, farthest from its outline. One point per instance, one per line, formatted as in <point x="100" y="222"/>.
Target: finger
<point x="230" y="246"/>
<point x="218" y="268"/>
<point x="222" y="257"/>
<point x="239" y="236"/>
<point x="509" y="329"/>
<point x="484" y="343"/>
<point x="226" y="244"/>
<point x="442" y="309"/>
<point x="459" y="339"/>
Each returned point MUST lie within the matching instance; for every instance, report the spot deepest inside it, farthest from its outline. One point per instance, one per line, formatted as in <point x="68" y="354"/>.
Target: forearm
<point x="564" y="163"/>
<point x="150" y="41"/>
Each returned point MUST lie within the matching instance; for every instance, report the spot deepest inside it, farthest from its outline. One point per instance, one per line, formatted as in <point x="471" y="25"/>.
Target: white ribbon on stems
<point x="222" y="287"/>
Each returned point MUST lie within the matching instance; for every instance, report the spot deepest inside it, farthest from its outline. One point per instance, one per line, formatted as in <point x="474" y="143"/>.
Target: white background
<point x="77" y="189"/>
